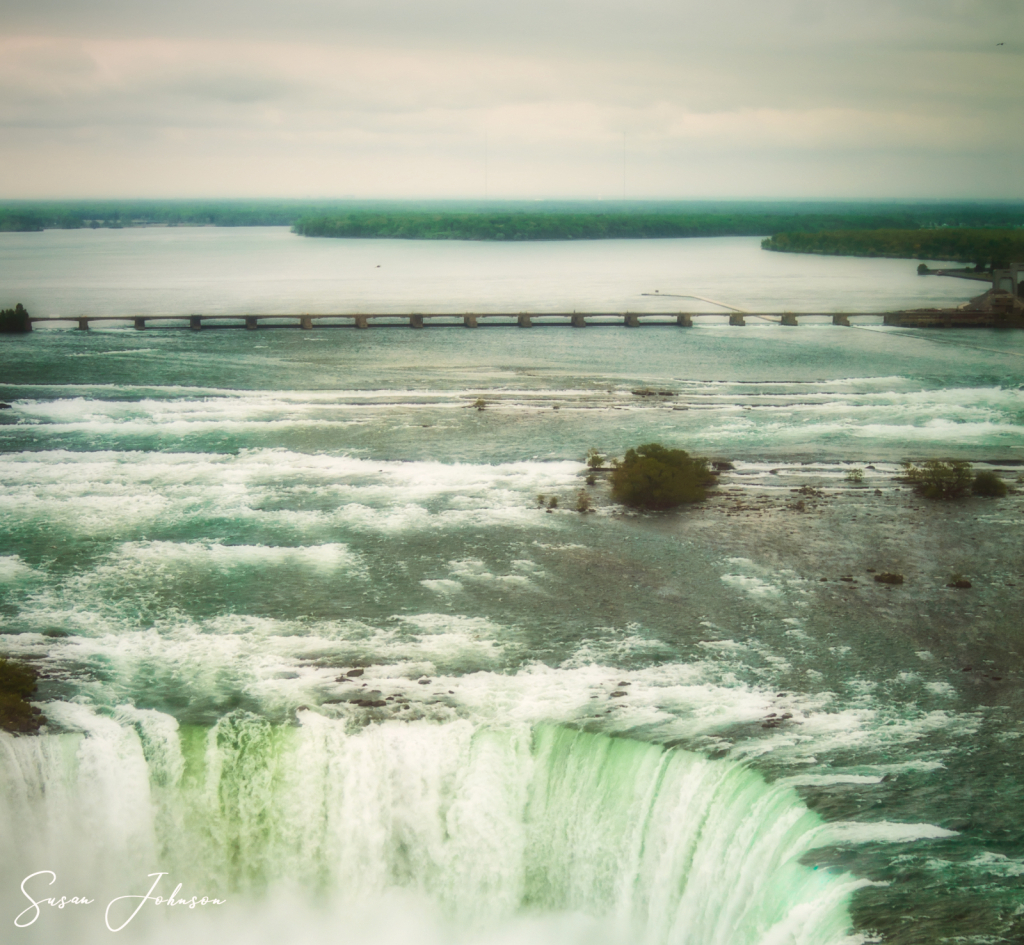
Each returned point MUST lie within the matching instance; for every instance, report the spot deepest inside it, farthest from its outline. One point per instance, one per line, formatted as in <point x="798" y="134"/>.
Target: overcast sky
<point x="517" y="98"/>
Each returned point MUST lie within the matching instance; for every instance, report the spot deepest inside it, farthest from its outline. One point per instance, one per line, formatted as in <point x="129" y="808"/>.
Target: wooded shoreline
<point x="986" y="248"/>
<point x="548" y="219"/>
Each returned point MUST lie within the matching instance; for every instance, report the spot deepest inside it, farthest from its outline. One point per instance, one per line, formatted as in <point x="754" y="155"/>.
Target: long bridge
<point x="421" y="320"/>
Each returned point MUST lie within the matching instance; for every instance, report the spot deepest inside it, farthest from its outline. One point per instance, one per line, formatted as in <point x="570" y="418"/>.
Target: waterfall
<point x="490" y="827"/>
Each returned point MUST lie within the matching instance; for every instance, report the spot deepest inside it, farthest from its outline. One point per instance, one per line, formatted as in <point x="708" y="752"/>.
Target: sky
<point x="525" y="99"/>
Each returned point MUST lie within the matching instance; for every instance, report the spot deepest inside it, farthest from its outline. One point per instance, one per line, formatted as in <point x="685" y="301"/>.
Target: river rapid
<point x="311" y="645"/>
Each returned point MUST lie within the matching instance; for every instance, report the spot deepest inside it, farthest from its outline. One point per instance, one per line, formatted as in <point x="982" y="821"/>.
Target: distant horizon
<point x="500" y="201"/>
<point x="541" y="100"/>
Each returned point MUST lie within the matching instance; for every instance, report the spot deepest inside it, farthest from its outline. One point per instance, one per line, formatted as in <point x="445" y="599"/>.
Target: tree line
<point x="26" y="216"/>
<point x="517" y="220"/>
<point x="985" y="248"/>
<point x="561" y="225"/>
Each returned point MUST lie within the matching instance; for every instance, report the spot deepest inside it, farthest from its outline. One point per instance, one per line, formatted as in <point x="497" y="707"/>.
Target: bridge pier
<point x="83" y="324"/>
<point x="140" y="323"/>
<point x="306" y="323"/>
<point x="195" y="322"/>
<point x="684" y="321"/>
<point x="361" y="322"/>
<point x="841" y="320"/>
<point x="251" y="324"/>
<point x="524" y="321"/>
<point x="469" y="321"/>
<point x="631" y="321"/>
<point x="415" y="321"/>
<point x="736" y="318"/>
<point x="788" y="318"/>
<point x="578" y="321"/>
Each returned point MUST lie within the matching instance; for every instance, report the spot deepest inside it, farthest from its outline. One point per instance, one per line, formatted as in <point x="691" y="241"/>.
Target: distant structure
<point x="996" y="301"/>
<point x="999" y="307"/>
<point x="1009" y="279"/>
<point x="1002" y="306"/>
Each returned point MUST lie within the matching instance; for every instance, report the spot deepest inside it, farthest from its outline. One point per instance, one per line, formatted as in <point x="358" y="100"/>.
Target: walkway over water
<point x="446" y="319"/>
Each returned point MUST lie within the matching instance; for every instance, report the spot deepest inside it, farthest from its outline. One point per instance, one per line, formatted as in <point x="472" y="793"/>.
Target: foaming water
<point x="752" y="422"/>
<point x="321" y="630"/>
<point x="486" y="823"/>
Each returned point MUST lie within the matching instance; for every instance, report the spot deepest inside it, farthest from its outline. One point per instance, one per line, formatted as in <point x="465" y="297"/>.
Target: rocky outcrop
<point x="17" y="685"/>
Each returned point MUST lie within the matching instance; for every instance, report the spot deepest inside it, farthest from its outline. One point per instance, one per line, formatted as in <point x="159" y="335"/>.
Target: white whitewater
<point x="478" y="827"/>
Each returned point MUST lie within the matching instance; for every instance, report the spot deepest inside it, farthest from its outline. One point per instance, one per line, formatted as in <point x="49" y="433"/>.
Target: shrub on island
<point x="988" y="483"/>
<point x="17" y="683"/>
<point x="936" y="479"/>
<point x="653" y="476"/>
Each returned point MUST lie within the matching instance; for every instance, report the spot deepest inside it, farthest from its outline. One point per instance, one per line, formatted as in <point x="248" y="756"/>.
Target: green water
<point x="610" y="727"/>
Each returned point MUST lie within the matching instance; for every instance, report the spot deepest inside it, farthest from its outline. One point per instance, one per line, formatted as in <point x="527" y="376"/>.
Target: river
<point x="311" y="645"/>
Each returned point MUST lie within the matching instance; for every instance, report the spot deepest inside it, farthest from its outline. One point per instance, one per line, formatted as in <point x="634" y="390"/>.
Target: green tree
<point x="988" y="483"/>
<point x="936" y="479"/>
<point x="653" y="476"/>
<point x="15" y="319"/>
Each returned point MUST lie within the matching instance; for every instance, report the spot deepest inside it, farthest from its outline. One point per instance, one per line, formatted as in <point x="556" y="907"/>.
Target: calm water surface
<point x="269" y="269"/>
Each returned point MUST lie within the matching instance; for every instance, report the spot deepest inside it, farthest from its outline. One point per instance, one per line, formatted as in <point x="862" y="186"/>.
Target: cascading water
<point x="484" y="823"/>
<point x="308" y="642"/>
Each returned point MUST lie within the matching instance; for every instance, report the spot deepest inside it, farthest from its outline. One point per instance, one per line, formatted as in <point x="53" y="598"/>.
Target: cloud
<point x="374" y="98"/>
